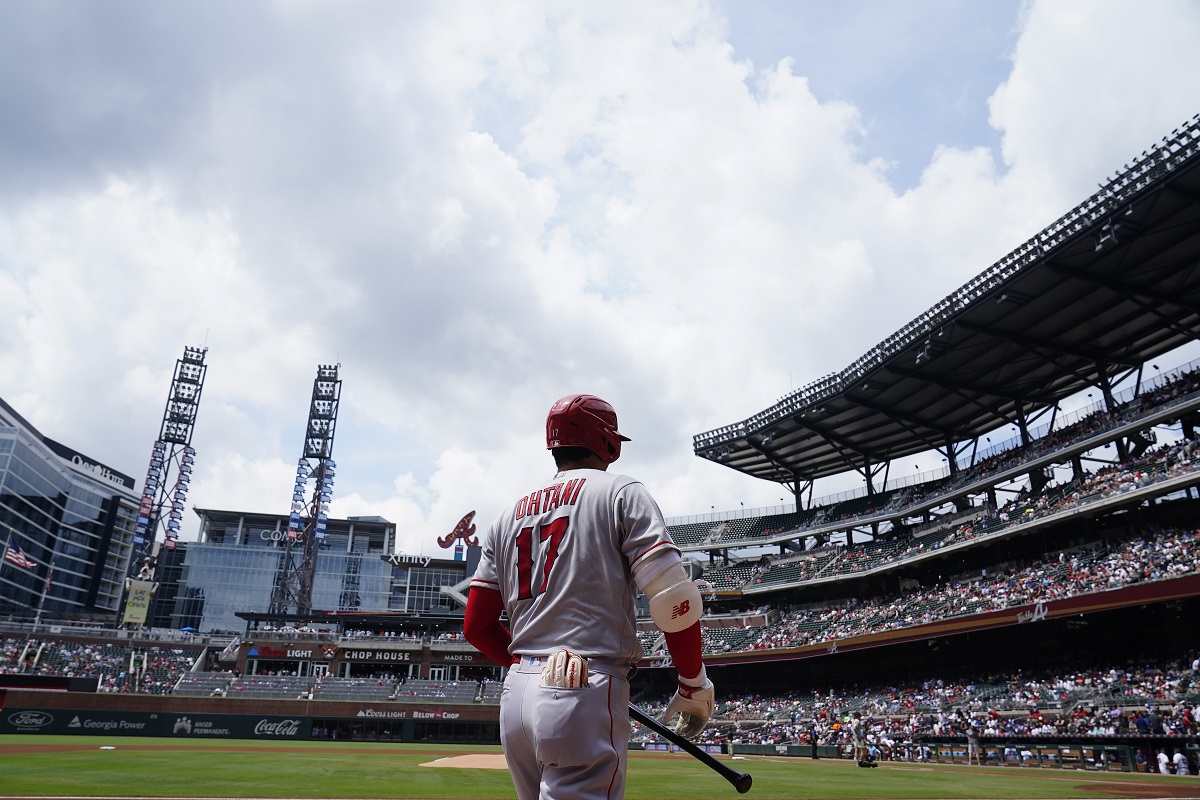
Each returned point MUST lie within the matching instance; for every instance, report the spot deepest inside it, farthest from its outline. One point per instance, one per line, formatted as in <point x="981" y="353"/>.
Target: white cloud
<point x="479" y="211"/>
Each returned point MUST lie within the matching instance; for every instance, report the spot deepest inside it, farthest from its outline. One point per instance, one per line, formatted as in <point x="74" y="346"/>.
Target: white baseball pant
<point x="565" y="744"/>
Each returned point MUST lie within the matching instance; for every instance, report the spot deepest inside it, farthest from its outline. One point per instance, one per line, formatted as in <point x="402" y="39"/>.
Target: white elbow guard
<point x="677" y="607"/>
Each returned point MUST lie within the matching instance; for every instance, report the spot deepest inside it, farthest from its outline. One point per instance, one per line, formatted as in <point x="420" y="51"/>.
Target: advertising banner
<point x="378" y="656"/>
<point x="292" y="652"/>
<point x="174" y="725"/>
<point x="137" y="602"/>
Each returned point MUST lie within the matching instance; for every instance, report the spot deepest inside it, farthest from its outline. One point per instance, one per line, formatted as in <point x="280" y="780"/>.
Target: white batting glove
<point x="565" y="670"/>
<point x="692" y="706"/>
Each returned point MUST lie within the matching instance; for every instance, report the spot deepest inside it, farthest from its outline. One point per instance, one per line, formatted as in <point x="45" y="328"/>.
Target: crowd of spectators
<point x="289" y="631"/>
<point x="1157" y="464"/>
<point x="118" y="667"/>
<point x="1151" y="556"/>
<point x="402" y="636"/>
<point x="1128" y="699"/>
<point x="1169" y="388"/>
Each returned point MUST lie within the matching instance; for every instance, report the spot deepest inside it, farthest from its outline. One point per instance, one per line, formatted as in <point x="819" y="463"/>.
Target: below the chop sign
<point x="374" y="713"/>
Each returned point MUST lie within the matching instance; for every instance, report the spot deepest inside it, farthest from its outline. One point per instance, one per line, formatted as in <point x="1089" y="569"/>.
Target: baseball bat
<point x="740" y="780"/>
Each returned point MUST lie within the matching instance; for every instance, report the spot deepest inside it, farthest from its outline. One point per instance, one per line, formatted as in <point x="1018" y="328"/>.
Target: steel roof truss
<point x="1041" y="345"/>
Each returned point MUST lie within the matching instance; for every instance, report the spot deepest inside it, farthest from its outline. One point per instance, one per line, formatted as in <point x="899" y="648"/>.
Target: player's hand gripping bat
<point x="740" y="780"/>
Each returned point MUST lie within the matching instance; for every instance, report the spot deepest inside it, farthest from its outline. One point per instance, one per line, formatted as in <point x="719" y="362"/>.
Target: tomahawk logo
<point x="464" y="531"/>
<point x="1036" y="614"/>
<point x="182" y="725"/>
<point x="681" y="609"/>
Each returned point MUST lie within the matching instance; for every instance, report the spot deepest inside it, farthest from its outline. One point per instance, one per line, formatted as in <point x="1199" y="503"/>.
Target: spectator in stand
<point x="1083" y="429"/>
<point x="896" y="716"/>
<point x="1102" y="566"/>
<point x="118" y="667"/>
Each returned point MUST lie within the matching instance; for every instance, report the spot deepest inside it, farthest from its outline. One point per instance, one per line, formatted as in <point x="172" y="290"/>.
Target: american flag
<point x="15" y="556"/>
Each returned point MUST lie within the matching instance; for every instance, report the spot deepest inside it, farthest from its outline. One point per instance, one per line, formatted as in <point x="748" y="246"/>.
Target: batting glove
<point x="692" y="706"/>
<point x="565" y="670"/>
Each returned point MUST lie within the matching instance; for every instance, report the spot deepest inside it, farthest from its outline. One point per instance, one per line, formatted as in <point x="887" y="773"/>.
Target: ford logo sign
<point x="30" y="720"/>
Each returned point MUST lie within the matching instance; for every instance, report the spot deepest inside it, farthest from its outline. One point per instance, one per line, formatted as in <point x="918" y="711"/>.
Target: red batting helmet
<point x="584" y="420"/>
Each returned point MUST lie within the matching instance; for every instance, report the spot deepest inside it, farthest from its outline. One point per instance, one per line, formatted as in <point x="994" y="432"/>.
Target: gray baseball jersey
<point x="563" y="559"/>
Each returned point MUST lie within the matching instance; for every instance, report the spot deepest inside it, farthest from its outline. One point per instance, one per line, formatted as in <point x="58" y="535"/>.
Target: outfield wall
<point x="25" y="711"/>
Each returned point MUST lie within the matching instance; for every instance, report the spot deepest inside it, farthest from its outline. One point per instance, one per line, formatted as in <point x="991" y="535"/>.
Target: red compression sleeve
<point x="481" y="625"/>
<point x="685" y="650"/>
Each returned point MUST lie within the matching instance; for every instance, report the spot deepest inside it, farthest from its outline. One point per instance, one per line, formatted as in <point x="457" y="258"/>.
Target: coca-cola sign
<point x="283" y="727"/>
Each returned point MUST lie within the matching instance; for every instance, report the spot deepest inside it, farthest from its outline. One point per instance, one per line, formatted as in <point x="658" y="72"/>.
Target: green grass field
<point x="234" y="769"/>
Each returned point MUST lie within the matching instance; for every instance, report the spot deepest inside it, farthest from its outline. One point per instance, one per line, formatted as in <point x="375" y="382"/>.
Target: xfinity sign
<point x="397" y="560"/>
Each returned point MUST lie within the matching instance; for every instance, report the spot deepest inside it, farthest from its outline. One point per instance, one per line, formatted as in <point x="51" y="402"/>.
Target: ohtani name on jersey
<point x="538" y="502"/>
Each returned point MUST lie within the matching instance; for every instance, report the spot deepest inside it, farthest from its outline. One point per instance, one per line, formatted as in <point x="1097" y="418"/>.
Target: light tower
<point x="172" y="459"/>
<point x="306" y="523"/>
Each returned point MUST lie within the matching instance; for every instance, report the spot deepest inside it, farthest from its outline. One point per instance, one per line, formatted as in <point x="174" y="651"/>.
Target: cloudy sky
<point x="685" y="207"/>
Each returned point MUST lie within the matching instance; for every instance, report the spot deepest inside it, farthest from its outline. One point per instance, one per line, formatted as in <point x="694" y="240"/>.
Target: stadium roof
<point x="1111" y="284"/>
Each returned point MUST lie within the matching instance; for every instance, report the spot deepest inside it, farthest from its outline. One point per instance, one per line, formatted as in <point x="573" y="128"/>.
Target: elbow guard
<point x="677" y="607"/>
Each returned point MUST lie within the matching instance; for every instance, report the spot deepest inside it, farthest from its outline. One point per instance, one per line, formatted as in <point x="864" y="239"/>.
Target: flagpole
<point x="37" y="620"/>
<point x="45" y="586"/>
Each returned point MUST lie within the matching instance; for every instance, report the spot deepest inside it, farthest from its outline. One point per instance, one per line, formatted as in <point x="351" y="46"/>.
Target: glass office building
<point x="68" y="513"/>
<point x="236" y="562"/>
<point x="417" y="588"/>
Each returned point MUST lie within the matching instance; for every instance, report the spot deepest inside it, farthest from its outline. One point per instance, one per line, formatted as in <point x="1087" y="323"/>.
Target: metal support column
<point x="1037" y="478"/>
<point x="1110" y="403"/>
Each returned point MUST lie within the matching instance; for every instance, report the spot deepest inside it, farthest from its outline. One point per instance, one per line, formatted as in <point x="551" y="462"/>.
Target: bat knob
<point x="743" y="783"/>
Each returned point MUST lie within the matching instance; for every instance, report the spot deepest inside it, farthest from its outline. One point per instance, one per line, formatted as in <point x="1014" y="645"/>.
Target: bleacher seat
<point x="203" y="684"/>
<point x="286" y="686"/>
<point x="329" y="688"/>
<point x="449" y="691"/>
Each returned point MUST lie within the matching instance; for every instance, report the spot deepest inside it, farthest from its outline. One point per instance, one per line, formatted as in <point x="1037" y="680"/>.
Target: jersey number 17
<point x="553" y="532"/>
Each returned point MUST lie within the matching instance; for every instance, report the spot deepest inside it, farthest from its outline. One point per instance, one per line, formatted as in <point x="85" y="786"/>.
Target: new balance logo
<point x="681" y="609"/>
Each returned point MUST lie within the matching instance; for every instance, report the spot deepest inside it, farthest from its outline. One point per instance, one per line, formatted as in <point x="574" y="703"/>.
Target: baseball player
<point x="973" y="751"/>
<point x="563" y="562"/>
<point x="859" y="736"/>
